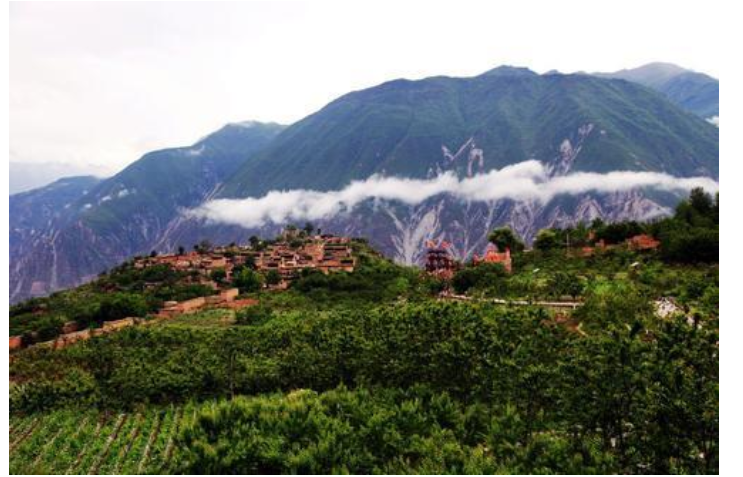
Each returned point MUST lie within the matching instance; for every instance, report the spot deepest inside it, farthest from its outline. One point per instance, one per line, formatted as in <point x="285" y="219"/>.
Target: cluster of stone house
<point x="201" y="263"/>
<point x="72" y="335"/>
<point x="642" y="242"/>
<point x="225" y="299"/>
<point x="325" y="253"/>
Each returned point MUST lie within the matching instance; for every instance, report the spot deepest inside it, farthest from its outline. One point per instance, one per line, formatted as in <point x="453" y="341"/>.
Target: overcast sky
<point x="94" y="86"/>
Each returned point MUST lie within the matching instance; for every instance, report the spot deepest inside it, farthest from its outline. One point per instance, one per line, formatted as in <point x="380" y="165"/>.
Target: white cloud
<point x="528" y="180"/>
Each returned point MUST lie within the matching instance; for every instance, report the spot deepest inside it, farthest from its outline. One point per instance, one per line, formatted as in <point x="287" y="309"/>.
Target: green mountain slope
<point x="400" y="128"/>
<point x="129" y="212"/>
<point x="163" y="181"/>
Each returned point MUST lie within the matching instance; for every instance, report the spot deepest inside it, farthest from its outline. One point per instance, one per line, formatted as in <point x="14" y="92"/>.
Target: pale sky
<point x="93" y="86"/>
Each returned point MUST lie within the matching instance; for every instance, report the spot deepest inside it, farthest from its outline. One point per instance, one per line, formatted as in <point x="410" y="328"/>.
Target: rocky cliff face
<point x="400" y="231"/>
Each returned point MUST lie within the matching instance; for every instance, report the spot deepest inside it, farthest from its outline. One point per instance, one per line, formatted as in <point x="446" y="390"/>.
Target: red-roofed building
<point x="642" y="242"/>
<point x="439" y="260"/>
<point x="492" y="255"/>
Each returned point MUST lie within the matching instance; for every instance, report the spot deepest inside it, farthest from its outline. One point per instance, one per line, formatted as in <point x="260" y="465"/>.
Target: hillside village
<point x="283" y="259"/>
<point x="280" y="262"/>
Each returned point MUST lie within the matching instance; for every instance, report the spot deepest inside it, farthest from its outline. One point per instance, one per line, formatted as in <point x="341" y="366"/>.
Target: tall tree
<point x="504" y="238"/>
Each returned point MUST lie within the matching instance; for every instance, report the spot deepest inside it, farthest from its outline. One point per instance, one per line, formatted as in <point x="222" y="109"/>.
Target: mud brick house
<point x="642" y="242"/>
<point x="325" y="253"/>
<point x="588" y="250"/>
<point x="492" y="255"/>
<point x="118" y="324"/>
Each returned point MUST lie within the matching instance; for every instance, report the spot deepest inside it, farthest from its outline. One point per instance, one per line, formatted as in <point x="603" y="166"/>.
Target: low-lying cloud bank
<point x="528" y="180"/>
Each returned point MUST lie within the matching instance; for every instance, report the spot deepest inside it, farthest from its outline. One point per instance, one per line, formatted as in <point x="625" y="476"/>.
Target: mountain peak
<point x="507" y="70"/>
<point x="249" y="124"/>
<point x="693" y="91"/>
<point x="651" y="74"/>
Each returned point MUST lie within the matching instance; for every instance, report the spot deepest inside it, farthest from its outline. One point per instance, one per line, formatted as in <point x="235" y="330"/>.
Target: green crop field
<point x="74" y="442"/>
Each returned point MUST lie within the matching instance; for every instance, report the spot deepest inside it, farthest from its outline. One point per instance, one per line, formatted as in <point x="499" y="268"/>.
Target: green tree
<point x="205" y="246"/>
<point x="483" y="276"/>
<point x="547" y="240"/>
<point x="563" y="283"/>
<point x="219" y="275"/>
<point x="254" y="315"/>
<point x="504" y="238"/>
<point x="273" y="277"/>
<point x="116" y="306"/>
<point x="247" y="281"/>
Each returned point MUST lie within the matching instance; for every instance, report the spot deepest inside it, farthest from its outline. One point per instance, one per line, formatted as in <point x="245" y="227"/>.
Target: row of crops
<point x="69" y="442"/>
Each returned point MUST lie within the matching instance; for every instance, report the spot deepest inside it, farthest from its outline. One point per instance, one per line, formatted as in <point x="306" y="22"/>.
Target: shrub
<point x="254" y="315"/>
<point x="248" y="281"/>
<point x="547" y="240"/>
<point x="482" y="276"/>
<point x="116" y="306"/>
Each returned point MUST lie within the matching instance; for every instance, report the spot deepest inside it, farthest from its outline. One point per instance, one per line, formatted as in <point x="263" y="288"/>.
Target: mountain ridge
<point x="526" y="130"/>
<point x="401" y="128"/>
<point x="693" y="91"/>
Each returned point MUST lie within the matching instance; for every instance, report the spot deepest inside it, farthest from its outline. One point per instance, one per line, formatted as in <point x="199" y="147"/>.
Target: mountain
<point x="472" y="125"/>
<point x="415" y="129"/>
<point x="123" y="215"/>
<point x="33" y="218"/>
<point x="401" y="128"/>
<point x="695" y="92"/>
<point x="28" y="176"/>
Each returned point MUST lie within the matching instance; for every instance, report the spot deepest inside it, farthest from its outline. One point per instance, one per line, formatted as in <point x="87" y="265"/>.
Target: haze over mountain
<point x="28" y="176"/>
<point x="696" y="92"/>
<point x="412" y="129"/>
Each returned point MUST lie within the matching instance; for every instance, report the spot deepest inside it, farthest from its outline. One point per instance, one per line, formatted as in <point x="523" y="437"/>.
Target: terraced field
<point x="69" y="442"/>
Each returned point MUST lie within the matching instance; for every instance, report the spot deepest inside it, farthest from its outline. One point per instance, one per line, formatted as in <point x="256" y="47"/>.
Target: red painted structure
<point x="439" y="260"/>
<point x="492" y="255"/>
